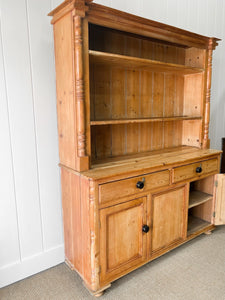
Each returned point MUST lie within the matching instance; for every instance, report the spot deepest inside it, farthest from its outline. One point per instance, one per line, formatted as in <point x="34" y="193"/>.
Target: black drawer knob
<point x="198" y="169"/>
<point x="145" y="228"/>
<point x="140" y="184"/>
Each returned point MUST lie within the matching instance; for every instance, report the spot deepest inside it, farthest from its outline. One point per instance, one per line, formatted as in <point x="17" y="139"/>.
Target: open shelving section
<point x="197" y="198"/>
<point x="200" y="204"/>
<point x="196" y="224"/>
<point x="145" y="95"/>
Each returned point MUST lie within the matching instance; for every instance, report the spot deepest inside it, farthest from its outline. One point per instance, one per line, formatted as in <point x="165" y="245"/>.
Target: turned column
<point x="79" y="87"/>
<point x="208" y="93"/>
<point x="82" y="159"/>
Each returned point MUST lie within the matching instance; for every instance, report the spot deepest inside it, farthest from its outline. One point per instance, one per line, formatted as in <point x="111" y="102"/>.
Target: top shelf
<point x="140" y="63"/>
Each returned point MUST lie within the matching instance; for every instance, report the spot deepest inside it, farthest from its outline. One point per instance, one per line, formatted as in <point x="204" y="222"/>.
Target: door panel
<point x="219" y="199"/>
<point x="169" y="218"/>
<point x="122" y="242"/>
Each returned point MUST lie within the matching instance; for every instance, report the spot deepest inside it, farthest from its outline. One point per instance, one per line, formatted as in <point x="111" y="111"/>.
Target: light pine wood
<point x="132" y="134"/>
<point x="64" y="88"/>
<point x="79" y="83"/>
<point x="169" y="210"/>
<point x="123" y="21"/>
<point x="205" y="185"/>
<point x="143" y="120"/>
<point x="119" y="189"/>
<point x="105" y="58"/>
<point x="195" y="57"/>
<point x="219" y="201"/>
<point x="81" y="250"/>
<point x="118" y="140"/>
<point x="122" y="242"/>
<point x="192" y="132"/>
<point x="197" y="198"/>
<point x="193" y="87"/>
<point x="203" y="211"/>
<point x="207" y="95"/>
<point x="189" y="171"/>
<point x="118" y="93"/>
<point x="196" y="224"/>
<point x="154" y="161"/>
<point x="133" y="102"/>
<point x="146" y="97"/>
<point x="87" y="87"/>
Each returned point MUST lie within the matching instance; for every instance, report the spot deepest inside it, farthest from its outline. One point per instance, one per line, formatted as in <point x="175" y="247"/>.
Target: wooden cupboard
<point x="133" y="101"/>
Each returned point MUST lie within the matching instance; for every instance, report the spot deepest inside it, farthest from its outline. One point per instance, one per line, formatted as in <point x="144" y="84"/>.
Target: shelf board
<point x="197" y="198"/>
<point x="196" y="224"/>
<point x="131" y="62"/>
<point x="143" y="120"/>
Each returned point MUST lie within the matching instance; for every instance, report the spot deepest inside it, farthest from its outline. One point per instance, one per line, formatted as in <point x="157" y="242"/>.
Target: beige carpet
<point x="195" y="270"/>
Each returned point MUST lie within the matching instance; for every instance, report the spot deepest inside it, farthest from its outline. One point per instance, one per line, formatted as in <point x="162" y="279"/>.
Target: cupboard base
<point x="98" y="293"/>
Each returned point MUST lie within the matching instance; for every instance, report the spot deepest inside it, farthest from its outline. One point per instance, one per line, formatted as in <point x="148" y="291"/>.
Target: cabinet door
<point x="122" y="241"/>
<point x="219" y="200"/>
<point x="169" y="218"/>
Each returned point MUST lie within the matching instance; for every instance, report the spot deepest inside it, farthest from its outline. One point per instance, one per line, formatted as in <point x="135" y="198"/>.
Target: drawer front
<point x="125" y="187"/>
<point x="195" y="170"/>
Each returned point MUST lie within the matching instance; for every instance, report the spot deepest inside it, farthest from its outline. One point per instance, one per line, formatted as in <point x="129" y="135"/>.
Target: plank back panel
<point x="179" y="96"/>
<point x="193" y="94"/>
<point x="169" y="94"/>
<point x="192" y="133"/>
<point x="195" y="57"/>
<point x="158" y="95"/>
<point x="124" y="139"/>
<point x="146" y="87"/>
<point x="132" y="93"/>
<point x="100" y="92"/>
<point x="119" y="42"/>
<point x="118" y="78"/>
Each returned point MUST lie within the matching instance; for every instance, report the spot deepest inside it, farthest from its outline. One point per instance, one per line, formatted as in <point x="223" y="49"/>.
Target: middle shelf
<point x="143" y="120"/>
<point x="130" y="62"/>
<point x="198" y="197"/>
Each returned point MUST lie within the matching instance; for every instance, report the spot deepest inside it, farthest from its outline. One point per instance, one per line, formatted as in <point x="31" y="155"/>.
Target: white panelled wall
<point x="31" y="232"/>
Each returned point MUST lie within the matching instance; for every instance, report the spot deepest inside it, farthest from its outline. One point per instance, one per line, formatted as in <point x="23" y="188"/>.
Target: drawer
<point x="195" y="170"/>
<point x="125" y="187"/>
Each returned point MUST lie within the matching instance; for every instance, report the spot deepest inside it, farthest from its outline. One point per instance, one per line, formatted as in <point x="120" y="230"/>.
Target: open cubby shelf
<point x="198" y="197"/>
<point x="98" y="57"/>
<point x="196" y="224"/>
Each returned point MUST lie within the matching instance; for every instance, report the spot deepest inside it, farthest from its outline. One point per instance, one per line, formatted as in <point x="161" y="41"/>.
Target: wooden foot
<point x="208" y="232"/>
<point x="99" y="294"/>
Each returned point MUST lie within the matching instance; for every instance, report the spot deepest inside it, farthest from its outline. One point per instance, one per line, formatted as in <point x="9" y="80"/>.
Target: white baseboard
<point x="31" y="265"/>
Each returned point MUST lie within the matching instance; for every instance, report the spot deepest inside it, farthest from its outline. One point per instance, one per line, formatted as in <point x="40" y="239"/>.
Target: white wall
<point x="31" y="237"/>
